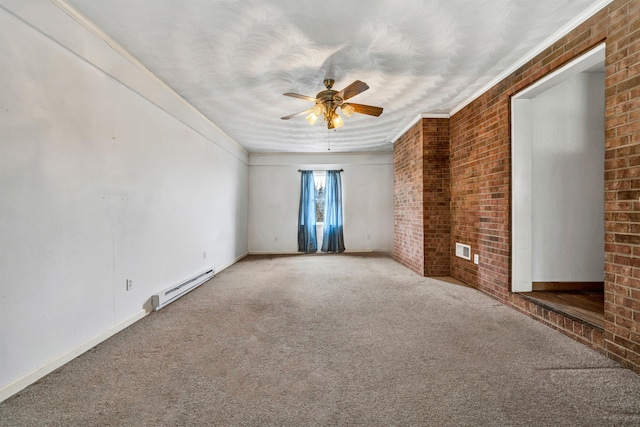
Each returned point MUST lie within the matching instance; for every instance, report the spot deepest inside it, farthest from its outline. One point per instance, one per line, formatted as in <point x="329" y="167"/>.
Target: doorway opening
<point x="557" y="152"/>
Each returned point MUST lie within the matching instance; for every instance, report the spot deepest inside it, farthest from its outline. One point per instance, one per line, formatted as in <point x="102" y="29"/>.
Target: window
<point x="319" y="179"/>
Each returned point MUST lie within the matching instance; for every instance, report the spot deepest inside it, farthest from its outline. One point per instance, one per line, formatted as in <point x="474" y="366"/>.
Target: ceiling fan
<point x="328" y="101"/>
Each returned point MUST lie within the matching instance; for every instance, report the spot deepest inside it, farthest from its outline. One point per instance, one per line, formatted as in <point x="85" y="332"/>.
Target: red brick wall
<point x="436" y="186"/>
<point x="480" y="207"/>
<point x="622" y="182"/>
<point x="421" y="195"/>
<point x="408" y="245"/>
<point x="480" y="185"/>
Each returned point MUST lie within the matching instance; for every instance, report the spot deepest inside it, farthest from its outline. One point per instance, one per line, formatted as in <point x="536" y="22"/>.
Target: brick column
<point x="436" y="195"/>
<point x="422" y="227"/>
<point x="408" y="216"/>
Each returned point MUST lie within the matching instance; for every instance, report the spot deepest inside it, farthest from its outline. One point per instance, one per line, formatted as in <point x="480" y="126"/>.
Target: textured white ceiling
<point x="233" y="59"/>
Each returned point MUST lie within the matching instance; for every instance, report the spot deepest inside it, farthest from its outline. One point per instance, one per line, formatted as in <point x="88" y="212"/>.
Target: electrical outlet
<point x="129" y="284"/>
<point x="204" y="255"/>
<point x="476" y="258"/>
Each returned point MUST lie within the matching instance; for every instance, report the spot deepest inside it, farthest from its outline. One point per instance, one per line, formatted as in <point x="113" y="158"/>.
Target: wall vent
<point x="463" y="251"/>
<point x="172" y="293"/>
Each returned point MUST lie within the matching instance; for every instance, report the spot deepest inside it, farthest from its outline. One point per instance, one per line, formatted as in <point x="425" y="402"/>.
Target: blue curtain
<point x="332" y="238"/>
<point x="307" y="241"/>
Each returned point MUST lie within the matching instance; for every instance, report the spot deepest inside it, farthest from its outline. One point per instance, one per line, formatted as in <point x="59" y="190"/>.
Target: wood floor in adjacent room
<point x="332" y="340"/>
<point x="586" y="306"/>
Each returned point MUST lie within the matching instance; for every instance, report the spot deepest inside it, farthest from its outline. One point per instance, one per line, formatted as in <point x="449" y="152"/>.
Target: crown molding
<point x="568" y="27"/>
<point x="416" y="120"/>
<point x="109" y="41"/>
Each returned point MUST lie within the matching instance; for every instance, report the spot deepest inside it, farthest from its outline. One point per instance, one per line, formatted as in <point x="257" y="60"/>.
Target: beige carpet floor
<point x="332" y="340"/>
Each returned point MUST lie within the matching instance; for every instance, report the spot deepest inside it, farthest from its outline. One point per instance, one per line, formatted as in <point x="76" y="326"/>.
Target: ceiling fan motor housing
<point x="329" y="100"/>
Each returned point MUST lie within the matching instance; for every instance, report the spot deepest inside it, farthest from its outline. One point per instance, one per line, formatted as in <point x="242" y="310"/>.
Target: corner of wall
<point x="422" y="232"/>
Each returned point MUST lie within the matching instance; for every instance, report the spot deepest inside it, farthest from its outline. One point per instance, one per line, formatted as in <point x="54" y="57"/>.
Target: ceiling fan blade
<point x="366" y="109"/>
<point x="353" y="89"/>
<point x="296" y="114"/>
<point x="297" y="95"/>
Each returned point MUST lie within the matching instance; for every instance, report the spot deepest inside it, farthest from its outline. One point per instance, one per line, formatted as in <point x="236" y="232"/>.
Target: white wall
<point x="367" y="196"/>
<point x="104" y="176"/>
<point x="568" y="181"/>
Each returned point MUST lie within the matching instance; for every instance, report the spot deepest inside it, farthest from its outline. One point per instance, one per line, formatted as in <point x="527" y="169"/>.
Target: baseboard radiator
<point x="172" y="293"/>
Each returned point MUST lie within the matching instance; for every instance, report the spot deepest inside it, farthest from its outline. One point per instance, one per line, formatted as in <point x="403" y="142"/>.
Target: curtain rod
<point x="341" y="170"/>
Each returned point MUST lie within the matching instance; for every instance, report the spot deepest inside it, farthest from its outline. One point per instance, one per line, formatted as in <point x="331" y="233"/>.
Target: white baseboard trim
<point x="275" y="253"/>
<point x="26" y="380"/>
<point x="229" y="264"/>
<point x="352" y="251"/>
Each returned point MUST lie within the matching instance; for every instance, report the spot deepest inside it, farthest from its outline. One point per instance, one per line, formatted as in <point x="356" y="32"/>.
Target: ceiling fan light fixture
<point x="312" y="118"/>
<point x="347" y="109"/>
<point x="329" y="101"/>
<point x="336" y="120"/>
<point x="319" y="109"/>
